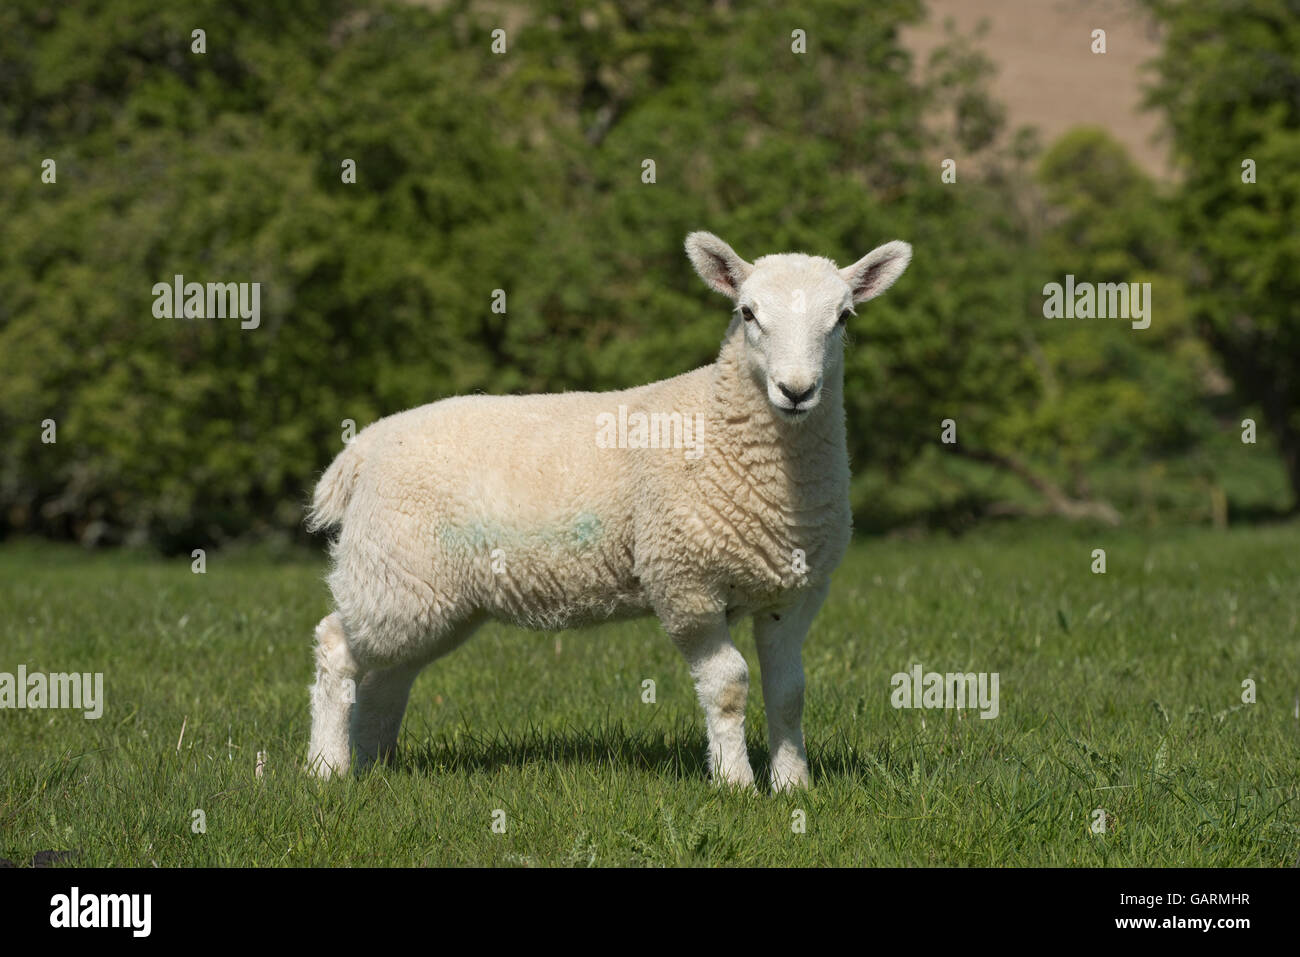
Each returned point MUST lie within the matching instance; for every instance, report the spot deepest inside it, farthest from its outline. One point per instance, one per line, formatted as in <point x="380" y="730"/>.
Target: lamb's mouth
<point x="794" y="413"/>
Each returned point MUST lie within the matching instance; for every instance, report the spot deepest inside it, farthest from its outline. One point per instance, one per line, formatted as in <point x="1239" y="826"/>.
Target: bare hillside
<point x="1048" y="75"/>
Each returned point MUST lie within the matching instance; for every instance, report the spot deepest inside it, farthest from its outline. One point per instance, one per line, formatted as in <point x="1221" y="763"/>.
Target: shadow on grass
<point x="677" y="752"/>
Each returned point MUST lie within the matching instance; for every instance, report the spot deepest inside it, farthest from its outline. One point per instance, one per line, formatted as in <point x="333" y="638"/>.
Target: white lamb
<point x="536" y="510"/>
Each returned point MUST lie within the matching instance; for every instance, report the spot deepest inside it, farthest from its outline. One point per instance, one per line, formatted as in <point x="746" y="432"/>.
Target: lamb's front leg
<point x="722" y="685"/>
<point x="779" y="637"/>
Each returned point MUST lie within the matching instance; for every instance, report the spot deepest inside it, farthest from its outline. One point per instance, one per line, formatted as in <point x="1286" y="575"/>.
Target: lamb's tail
<point x="334" y="490"/>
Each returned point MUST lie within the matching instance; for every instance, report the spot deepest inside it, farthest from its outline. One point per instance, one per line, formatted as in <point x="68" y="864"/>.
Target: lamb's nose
<point x="796" y="397"/>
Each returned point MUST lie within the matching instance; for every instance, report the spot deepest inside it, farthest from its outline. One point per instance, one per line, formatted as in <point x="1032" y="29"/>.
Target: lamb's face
<point x="794" y="309"/>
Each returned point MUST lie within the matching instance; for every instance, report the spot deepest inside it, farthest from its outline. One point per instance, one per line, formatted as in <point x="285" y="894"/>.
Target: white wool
<point x="515" y="508"/>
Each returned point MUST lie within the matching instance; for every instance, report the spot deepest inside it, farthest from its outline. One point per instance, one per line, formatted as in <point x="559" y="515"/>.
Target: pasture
<point x="1120" y="691"/>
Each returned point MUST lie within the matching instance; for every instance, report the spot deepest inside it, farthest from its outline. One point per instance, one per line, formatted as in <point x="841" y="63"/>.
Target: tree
<point x="517" y="178"/>
<point x="1228" y="83"/>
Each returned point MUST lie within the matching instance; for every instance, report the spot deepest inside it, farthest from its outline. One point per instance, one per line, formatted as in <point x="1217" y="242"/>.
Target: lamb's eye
<point x="844" y="317"/>
<point x="747" y="313"/>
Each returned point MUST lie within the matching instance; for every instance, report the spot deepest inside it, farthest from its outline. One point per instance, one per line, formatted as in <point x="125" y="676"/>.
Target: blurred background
<point x="525" y="171"/>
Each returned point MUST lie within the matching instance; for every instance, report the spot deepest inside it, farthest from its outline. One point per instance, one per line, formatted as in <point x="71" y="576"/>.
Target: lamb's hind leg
<point x="332" y="696"/>
<point x="377" y="717"/>
<point x="383" y="693"/>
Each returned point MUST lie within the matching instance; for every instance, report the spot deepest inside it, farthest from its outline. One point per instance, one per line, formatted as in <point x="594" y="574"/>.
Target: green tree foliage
<point x="522" y="172"/>
<point x="1228" y="83"/>
<point x="1113" y="393"/>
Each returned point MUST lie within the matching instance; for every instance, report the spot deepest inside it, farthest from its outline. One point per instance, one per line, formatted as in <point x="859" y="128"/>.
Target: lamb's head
<point x="794" y="309"/>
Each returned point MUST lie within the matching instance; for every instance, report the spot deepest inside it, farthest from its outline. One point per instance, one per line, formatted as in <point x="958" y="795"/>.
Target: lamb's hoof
<point x="741" y="780"/>
<point x="784" y="782"/>
<point x="321" y="769"/>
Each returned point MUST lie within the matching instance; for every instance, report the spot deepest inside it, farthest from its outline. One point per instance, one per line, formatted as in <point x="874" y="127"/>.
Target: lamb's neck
<point x="812" y="449"/>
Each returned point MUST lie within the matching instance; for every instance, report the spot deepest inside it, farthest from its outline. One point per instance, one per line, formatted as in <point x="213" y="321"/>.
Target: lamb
<point x="536" y="510"/>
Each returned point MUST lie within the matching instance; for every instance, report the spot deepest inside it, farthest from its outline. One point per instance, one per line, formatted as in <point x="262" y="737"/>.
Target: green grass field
<point x="1120" y="691"/>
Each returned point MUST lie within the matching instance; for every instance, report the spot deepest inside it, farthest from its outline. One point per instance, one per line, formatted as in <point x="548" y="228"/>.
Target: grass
<point x="1120" y="691"/>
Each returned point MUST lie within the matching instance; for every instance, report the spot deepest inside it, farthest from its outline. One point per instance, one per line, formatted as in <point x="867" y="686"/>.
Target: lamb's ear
<point x="717" y="263"/>
<point x="876" y="271"/>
